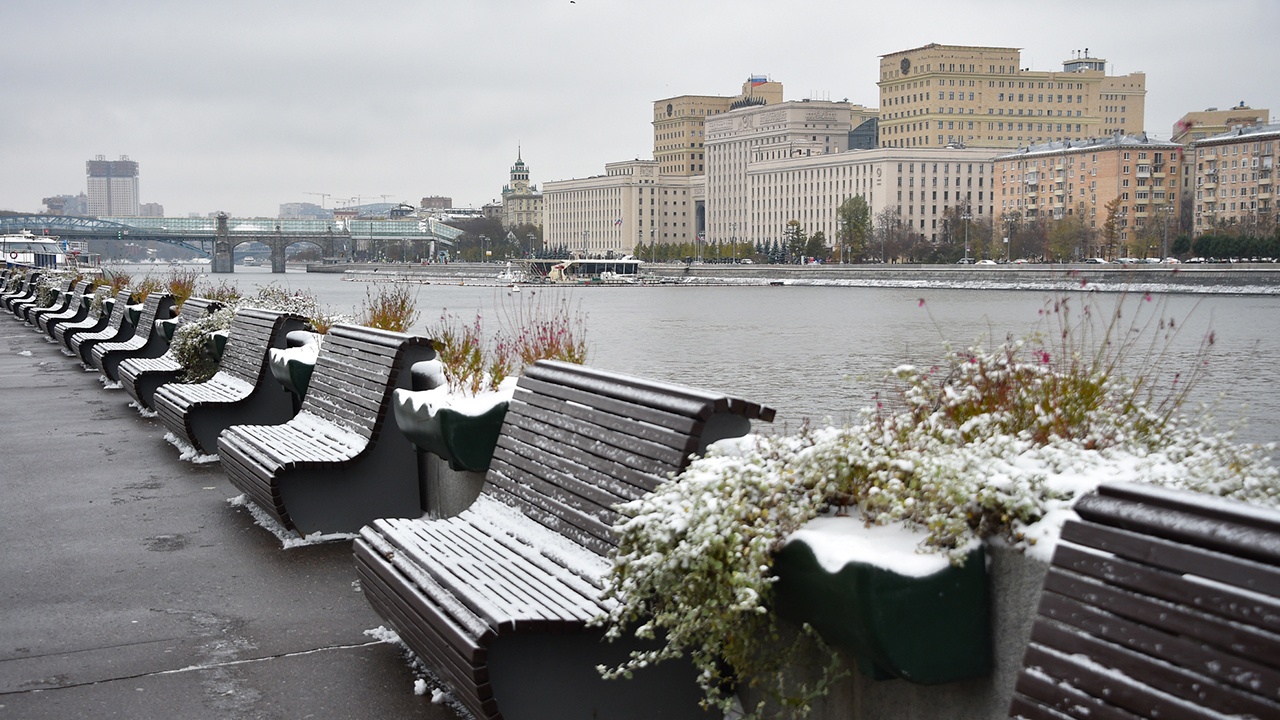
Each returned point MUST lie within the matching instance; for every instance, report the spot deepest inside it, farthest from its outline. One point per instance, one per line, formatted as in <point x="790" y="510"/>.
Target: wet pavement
<point x="130" y="588"/>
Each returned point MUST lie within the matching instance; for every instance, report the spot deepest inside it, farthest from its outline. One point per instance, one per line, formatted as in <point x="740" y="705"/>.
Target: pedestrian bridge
<point x="218" y="236"/>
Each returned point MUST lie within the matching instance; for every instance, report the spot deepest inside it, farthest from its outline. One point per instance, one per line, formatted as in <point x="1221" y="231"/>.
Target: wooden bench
<point x="496" y="599"/>
<point x="68" y="298"/>
<point x="342" y="461"/>
<point x="22" y="309"/>
<point x="1158" y="604"/>
<point x="118" y="327"/>
<point x="24" y="288"/>
<point x="80" y="298"/>
<point x="147" y="340"/>
<point x="241" y="391"/>
<point x="140" y="376"/>
<point x="89" y="322"/>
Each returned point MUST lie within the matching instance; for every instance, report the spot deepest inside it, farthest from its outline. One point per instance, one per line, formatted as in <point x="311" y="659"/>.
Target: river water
<point x="822" y="352"/>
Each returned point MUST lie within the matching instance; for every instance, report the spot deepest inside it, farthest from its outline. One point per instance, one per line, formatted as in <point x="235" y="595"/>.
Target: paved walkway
<point x="129" y="588"/>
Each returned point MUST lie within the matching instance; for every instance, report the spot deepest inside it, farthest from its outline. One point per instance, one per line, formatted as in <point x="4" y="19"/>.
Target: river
<point x="822" y="352"/>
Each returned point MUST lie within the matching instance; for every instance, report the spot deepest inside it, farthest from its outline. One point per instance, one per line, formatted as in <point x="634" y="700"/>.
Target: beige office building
<point x="1200" y="125"/>
<point x="921" y="183"/>
<point x="940" y="95"/>
<point x="1235" y="178"/>
<point x="1056" y="180"/>
<point x="678" y="123"/>
<point x="631" y="203"/>
<point x="739" y="139"/>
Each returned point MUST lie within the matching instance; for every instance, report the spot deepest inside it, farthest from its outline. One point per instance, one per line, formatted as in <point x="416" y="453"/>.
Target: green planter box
<point x="928" y="629"/>
<point x="466" y="441"/>
<point x="292" y="368"/>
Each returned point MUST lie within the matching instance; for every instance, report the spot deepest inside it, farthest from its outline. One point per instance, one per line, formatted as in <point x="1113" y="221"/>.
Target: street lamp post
<point x="966" y="217"/>
<point x="484" y="241"/>
<point x="733" y="241"/>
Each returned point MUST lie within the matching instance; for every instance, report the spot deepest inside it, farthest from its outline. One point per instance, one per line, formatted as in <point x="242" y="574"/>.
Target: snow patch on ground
<point x="427" y="681"/>
<point x="109" y="384"/>
<point x="25" y="353"/>
<point x="288" y="539"/>
<point x="144" y="412"/>
<point x="187" y="452"/>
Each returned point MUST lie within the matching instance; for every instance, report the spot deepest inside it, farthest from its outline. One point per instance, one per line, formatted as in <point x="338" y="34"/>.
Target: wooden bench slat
<point x="1158" y="552"/>
<point x="1170" y="615"/>
<point x="1048" y="698"/>
<point x="1112" y="687"/>
<point x="1167" y="677"/>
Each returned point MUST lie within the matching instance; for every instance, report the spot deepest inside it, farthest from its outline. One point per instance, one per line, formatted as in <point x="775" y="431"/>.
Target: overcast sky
<point x="240" y="106"/>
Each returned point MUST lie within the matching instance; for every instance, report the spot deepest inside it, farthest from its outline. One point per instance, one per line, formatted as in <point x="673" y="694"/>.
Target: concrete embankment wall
<point x="1260" y="277"/>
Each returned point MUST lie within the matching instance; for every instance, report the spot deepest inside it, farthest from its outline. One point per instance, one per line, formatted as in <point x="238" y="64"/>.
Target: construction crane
<point x="323" y="197"/>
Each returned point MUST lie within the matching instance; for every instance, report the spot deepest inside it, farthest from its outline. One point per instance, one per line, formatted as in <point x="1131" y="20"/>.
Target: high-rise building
<point x="113" y="187"/>
<point x="678" y="123"/>
<point x="1200" y="125"/>
<point x="939" y="95"/>
<point x="1055" y="180"/>
<point x="521" y="202"/>
<point x="1234" y="178"/>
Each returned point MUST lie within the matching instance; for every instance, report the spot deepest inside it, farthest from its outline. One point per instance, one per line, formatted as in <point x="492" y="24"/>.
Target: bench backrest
<point x="577" y="440"/>
<point x="150" y="310"/>
<point x="195" y="308"/>
<point x="357" y="370"/>
<point x="252" y="332"/>
<point x="1158" y="603"/>
<point x="120" y="311"/>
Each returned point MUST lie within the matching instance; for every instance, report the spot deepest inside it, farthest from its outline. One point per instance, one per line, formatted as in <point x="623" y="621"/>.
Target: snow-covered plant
<point x="191" y="339"/>
<point x="987" y="443"/>
<point x="535" y="329"/>
<point x="392" y="307"/>
<point x="190" y="345"/>
<point x="47" y="287"/>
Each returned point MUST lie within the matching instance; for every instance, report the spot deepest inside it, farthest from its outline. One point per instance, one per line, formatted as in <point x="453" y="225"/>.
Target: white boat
<point x="46" y="251"/>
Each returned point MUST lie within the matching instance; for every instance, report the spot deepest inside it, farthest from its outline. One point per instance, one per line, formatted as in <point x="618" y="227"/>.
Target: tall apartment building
<point x="436" y="202"/>
<point x="1055" y="180"/>
<point x="1234" y="177"/>
<point x="1200" y="125"/>
<point x="678" y="123"/>
<point x="939" y="95"/>
<point x="521" y="202"/>
<point x="112" y="187"/>
<point x="632" y="203"/>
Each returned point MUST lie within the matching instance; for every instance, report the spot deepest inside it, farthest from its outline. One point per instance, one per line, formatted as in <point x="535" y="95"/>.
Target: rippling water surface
<point x="821" y="352"/>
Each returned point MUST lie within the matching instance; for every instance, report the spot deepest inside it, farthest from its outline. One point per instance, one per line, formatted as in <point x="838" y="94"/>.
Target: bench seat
<point x="1158" y="603"/>
<point x="497" y="599"/>
<point x="141" y="376"/>
<point x="241" y="390"/>
<point x="340" y="462"/>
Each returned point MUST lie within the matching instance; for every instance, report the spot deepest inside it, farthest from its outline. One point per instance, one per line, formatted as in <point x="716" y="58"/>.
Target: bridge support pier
<point x="277" y="257"/>
<point x="223" y="260"/>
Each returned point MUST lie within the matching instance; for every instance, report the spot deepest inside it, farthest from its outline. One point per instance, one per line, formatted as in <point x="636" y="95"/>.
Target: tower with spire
<point x="521" y="202"/>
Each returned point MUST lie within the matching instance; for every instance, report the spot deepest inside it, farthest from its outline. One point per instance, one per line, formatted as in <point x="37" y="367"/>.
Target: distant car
<point x="1171" y="261"/>
<point x="1021" y="261"/>
<point x="965" y="261"/>
<point x="747" y="261"/>
<point x="1094" y="261"/>
<point x="985" y="262"/>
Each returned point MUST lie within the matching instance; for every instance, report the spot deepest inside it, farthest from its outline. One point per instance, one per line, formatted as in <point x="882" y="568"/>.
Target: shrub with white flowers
<point x="984" y="445"/>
